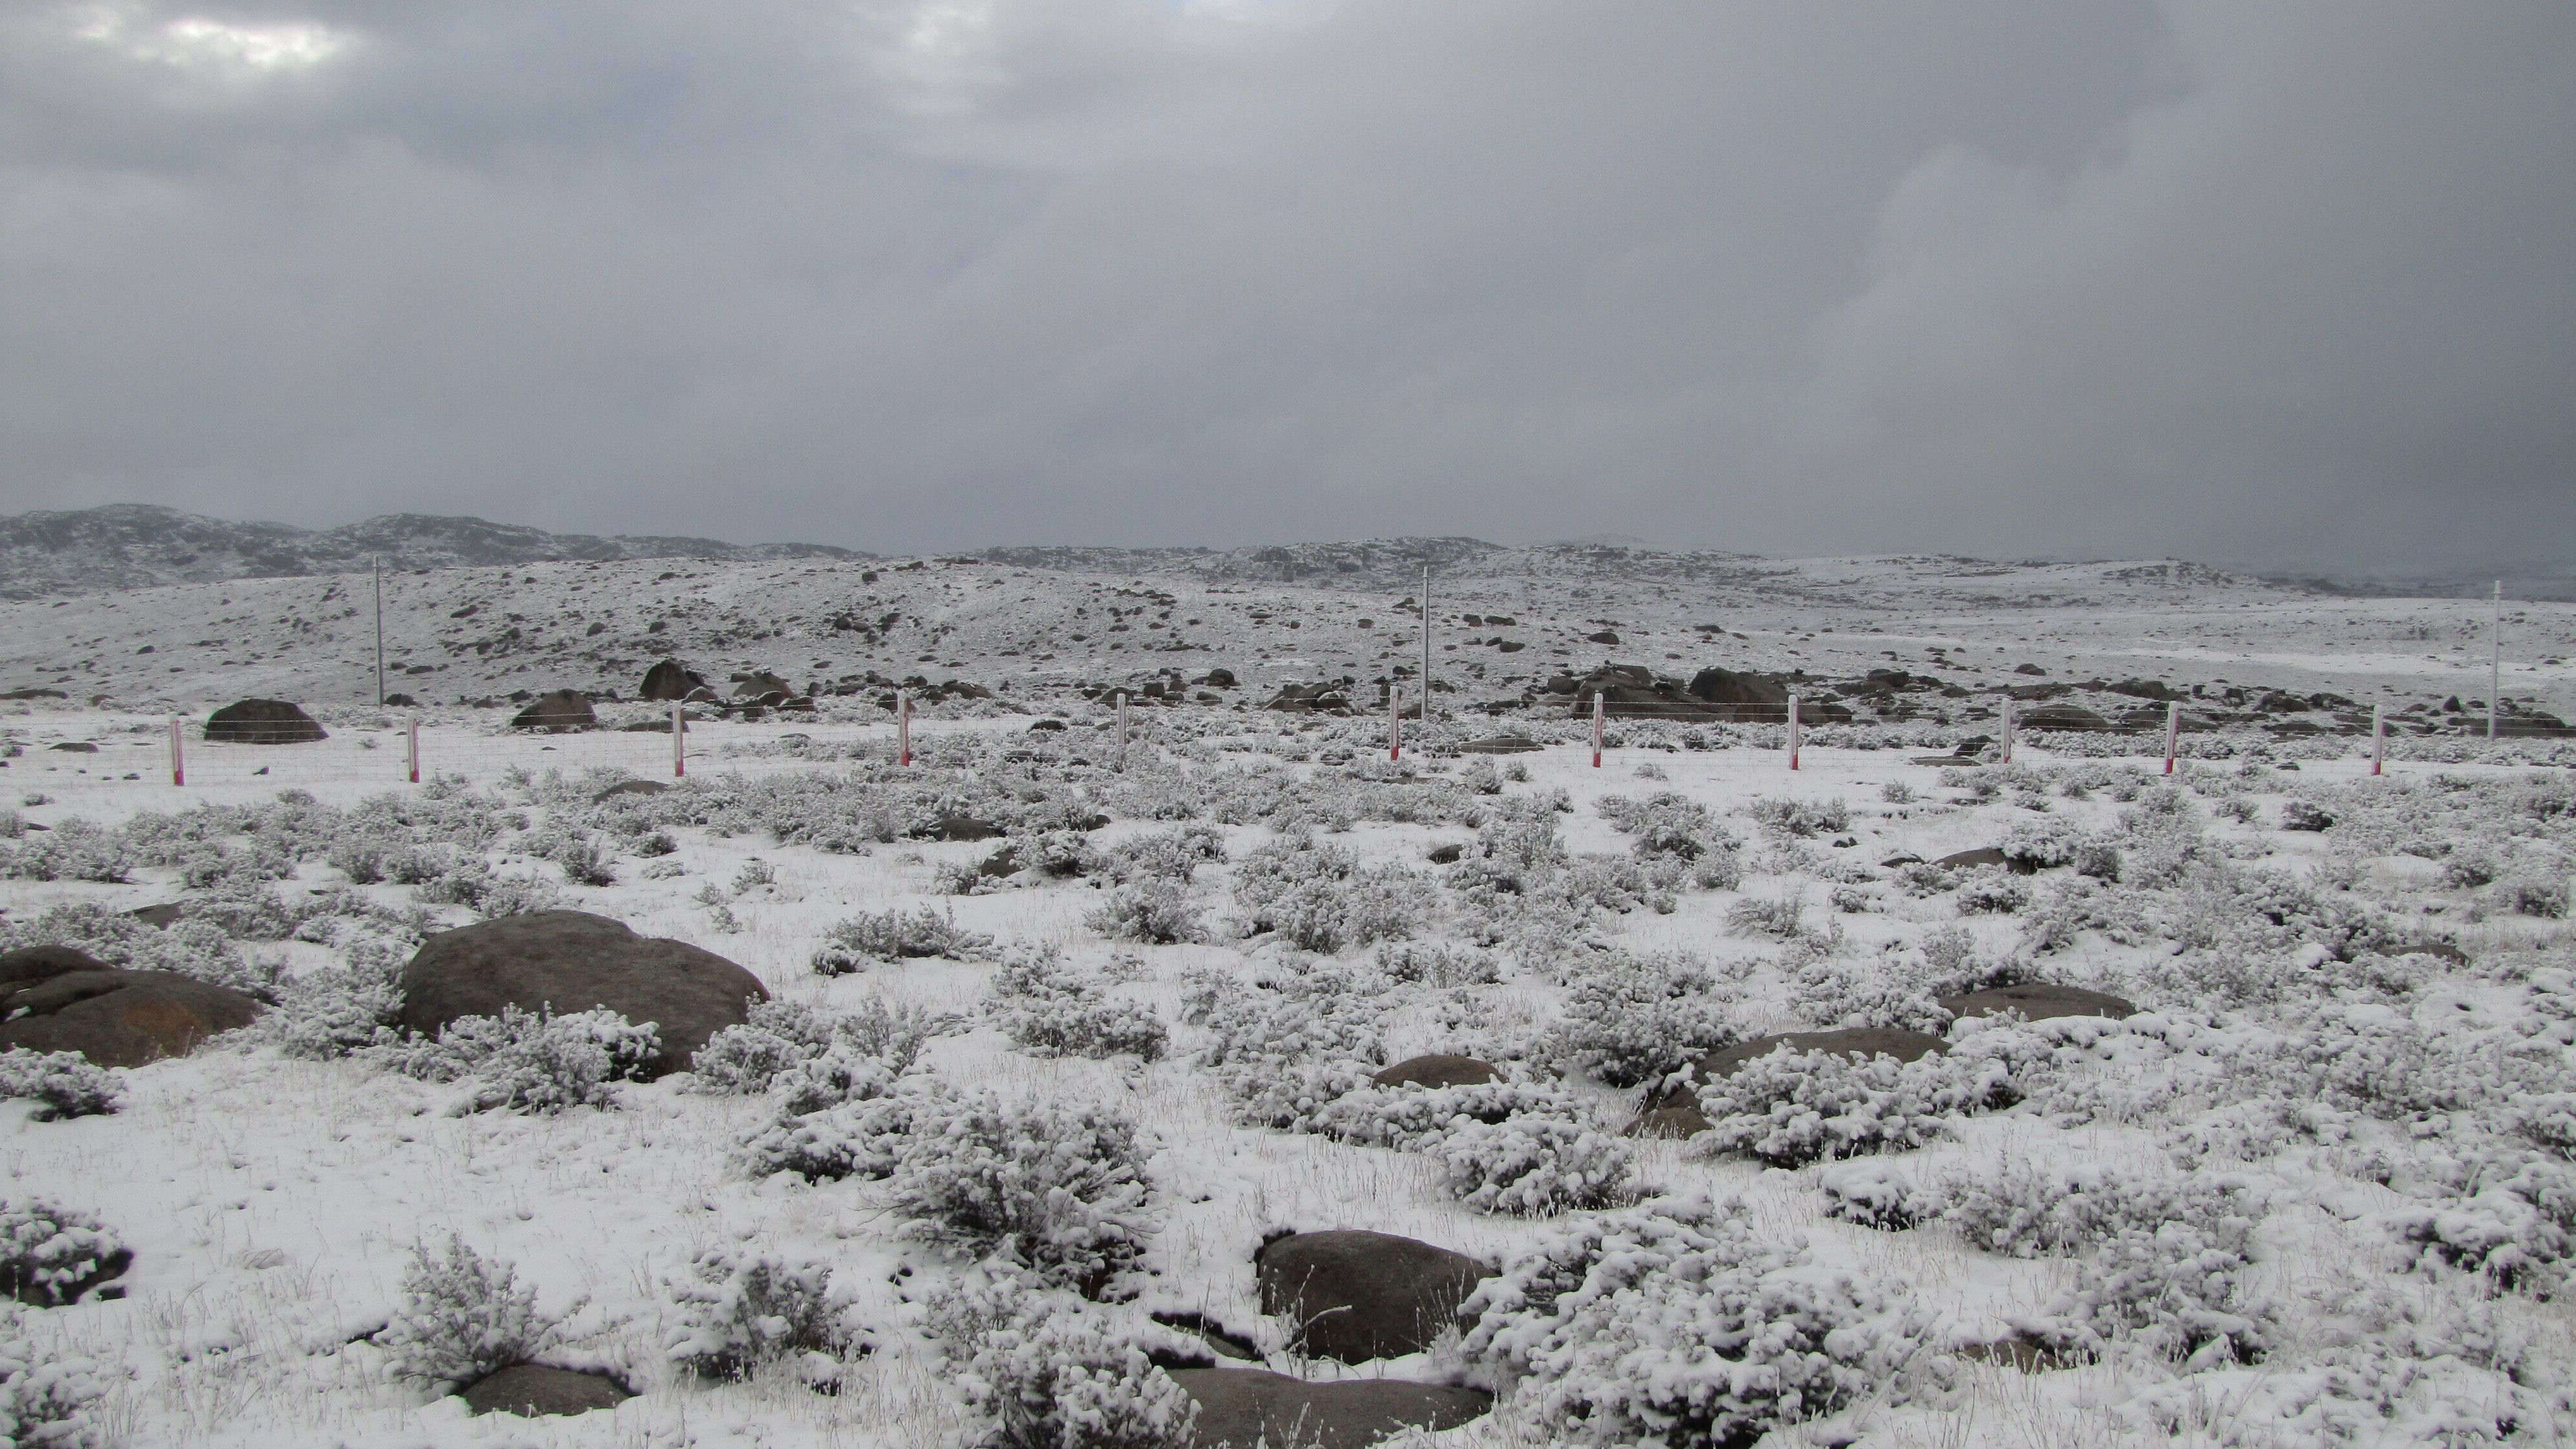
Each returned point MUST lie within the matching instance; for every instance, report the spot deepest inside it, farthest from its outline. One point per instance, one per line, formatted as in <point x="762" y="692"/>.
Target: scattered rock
<point x="1219" y="678"/>
<point x="75" y="747"/>
<point x="630" y="787"/>
<point x="1606" y="636"/>
<point x="1901" y="858"/>
<point x="1767" y="692"/>
<point x="534" y="1389"/>
<point x="2442" y="950"/>
<point x="57" y="999"/>
<point x="399" y="700"/>
<point x="1354" y="1295"/>
<point x="670" y="680"/>
<point x="1983" y="855"/>
<point x="262" y="722"/>
<point x="1437" y="1071"/>
<point x="557" y="711"/>
<point x="1243" y="1407"/>
<point x="567" y="961"/>
<point x="1219" y="1339"/>
<point x="165" y="914"/>
<point x="961" y="827"/>
<point x="2037" y="1001"/>
<point x="1448" y="854"/>
<point x="1046" y="727"/>
<point x="1500" y="745"/>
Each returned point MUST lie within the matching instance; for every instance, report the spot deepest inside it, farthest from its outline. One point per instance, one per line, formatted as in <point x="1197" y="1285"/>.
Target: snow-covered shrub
<point x="1667" y="824"/>
<point x="1060" y="1190"/>
<point x="1803" y="818"/>
<point x="524" y="1061"/>
<point x="742" y="1311"/>
<point x="1430" y="963"/>
<point x="2022" y="1210"/>
<point x="743" y="1060"/>
<point x="838" y="1117"/>
<point x="2180" y="1290"/>
<point x="1673" y="1325"/>
<point x="325" y="1014"/>
<point x="63" y="1084"/>
<point x="1531" y="1165"/>
<point x="1629" y="1019"/>
<point x="1837" y="993"/>
<point x="1170" y="855"/>
<point x="192" y="947"/>
<point x="1992" y="892"/>
<point x="1414" y="1116"/>
<point x="1050" y="1374"/>
<point x="2305" y="815"/>
<point x="2536" y="893"/>
<point x="894" y="935"/>
<point x="463" y="1316"/>
<point x="1281" y="1055"/>
<point x="1788" y="1108"/>
<point x="50" y="1256"/>
<point x="1152" y="911"/>
<point x="1761" y="916"/>
<point x="1320" y="897"/>
<point x="49" y="1396"/>
<point x="1051" y="1010"/>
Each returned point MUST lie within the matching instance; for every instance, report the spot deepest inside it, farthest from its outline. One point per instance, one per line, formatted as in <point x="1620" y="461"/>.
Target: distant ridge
<point x="141" y="546"/>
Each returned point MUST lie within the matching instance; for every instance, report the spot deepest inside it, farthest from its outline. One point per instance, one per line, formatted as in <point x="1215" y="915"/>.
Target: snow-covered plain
<point x="2388" y="1132"/>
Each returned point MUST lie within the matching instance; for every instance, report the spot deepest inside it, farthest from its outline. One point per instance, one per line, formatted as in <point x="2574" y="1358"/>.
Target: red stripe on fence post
<point x="903" y="725"/>
<point x="178" y="764"/>
<point x="1793" y="731"/>
<point x="1596" y="730"/>
<point x="1122" y="729"/>
<point x="679" y="739"/>
<point x="2173" y="734"/>
<point x="411" y="749"/>
<point x="1394" y="723"/>
<point x="2378" y="740"/>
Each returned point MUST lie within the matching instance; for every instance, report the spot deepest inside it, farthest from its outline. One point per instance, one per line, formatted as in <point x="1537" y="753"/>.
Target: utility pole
<point x="376" y="568"/>
<point x="2495" y="662"/>
<point x="1426" y="646"/>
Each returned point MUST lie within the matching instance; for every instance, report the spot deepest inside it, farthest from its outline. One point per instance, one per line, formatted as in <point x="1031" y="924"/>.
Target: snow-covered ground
<point x="2322" y="1185"/>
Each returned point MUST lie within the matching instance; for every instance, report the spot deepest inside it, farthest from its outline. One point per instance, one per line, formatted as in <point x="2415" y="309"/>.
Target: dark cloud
<point x="2261" y="283"/>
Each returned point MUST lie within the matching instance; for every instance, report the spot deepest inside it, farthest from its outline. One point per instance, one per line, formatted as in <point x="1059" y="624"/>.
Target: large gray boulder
<point x="557" y="711"/>
<point x="1438" y="1070"/>
<point x="670" y="680"/>
<point x="567" y="961"/>
<point x="1245" y="1407"/>
<point x="1354" y="1295"/>
<point x="2038" y="1001"/>
<point x="262" y="722"/>
<point x="534" y="1389"/>
<point x="58" y="999"/>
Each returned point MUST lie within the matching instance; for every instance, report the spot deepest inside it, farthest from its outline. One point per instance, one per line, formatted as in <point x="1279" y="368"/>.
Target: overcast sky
<point x="2283" y="284"/>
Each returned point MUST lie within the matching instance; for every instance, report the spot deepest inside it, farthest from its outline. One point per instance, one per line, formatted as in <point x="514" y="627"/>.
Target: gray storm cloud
<point x="2264" y="283"/>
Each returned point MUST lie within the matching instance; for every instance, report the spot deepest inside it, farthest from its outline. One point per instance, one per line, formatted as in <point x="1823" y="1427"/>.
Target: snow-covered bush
<point x="49" y="1396"/>
<point x="1281" y="1055"/>
<point x="1788" y="1108"/>
<point x="1153" y="911"/>
<point x="1320" y="897"/>
<point x="742" y="1311"/>
<point x="838" y="1116"/>
<point x="1836" y="993"/>
<point x="1430" y="963"/>
<point x="1060" y="1190"/>
<point x="52" y="1255"/>
<point x="523" y="1061"/>
<point x="1761" y="916"/>
<point x="1169" y="855"/>
<point x="1531" y="1165"/>
<point x="2536" y="893"/>
<point x="2180" y="1290"/>
<point x="2021" y="1210"/>
<point x="1673" y="1325"/>
<point x="1629" y="1019"/>
<point x="1667" y="824"/>
<point x="62" y="1084"/>
<point x="191" y="947"/>
<point x="1414" y="1116"/>
<point x="1992" y="892"/>
<point x="1050" y="1374"/>
<point x="325" y="1014"/>
<point x="464" y="1316"/>
<point x="895" y="935"/>
<point x="742" y="1060"/>
<point x="1803" y="818"/>
<point x="1051" y="1010"/>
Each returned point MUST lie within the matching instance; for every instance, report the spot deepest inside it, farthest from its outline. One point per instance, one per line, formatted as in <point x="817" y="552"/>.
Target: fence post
<point x="1394" y="723"/>
<point x="178" y="765"/>
<point x="903" y="726"/>
<point x="411" y="748"/>
<point x="1122" y="729"/>
<point x="679" y="739"/>
<point x="2008" y="730"/>
<point x="1793" y="730"/>
<point x="2173" y="733"/>
<point x="2378" y="740"/>
<point x="1596" y="729"/>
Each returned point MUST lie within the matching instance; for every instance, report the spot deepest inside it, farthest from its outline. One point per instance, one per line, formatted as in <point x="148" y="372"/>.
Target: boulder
<point x="1354" y="1295"/>
<point x="2063" y="717"/>
<point x="1245" y="1407"/>
<point x="1631" y="691"/>
<point x="963" y="827"/>
<point x="74" y="747"/>
<point x="164" y="914"/>
<point x="1218" y="678"/>
<point x="1746" y="696"/>
<point x="1500" y="745"/>
<point x="1437" y="1071"/>
<point x="1983" y="855"/>
<point x="57" y="999"/>
<point x="630" y="787"/>
<point x="557" y="711"/>
<point x="533" y="1389"/>
<point x="567" y="961"/>
<point x="262" y="722"/>
<point x="1671" y="1108"/>
<point x="2037" y="1001"/>
<point x="760" y="684"/>
<point x="670" y="680"/>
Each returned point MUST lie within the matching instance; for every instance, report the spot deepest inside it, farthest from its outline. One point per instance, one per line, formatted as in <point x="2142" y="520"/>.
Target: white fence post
<point x="679" y="739"/>
<point x="1596" y="729"/>
<point x="2378" y="740"/>
<point x="1394" y="723"/>
<point x="1793" y="730"/>
<point x="903" y="726"/>
<point x="2008" y="731"/>
<point x="411" y="748"/>
<point x="178" y="765"/>
<point x="2173" y="733"/>
<point x="1122" y="729"/>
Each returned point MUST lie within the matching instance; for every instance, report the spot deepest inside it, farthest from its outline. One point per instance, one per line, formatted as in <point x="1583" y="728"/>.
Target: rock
<point x="262" y="722"/>
<point x="165" y="914"/>
<point x="1901" y="858"/>
<point x="630" y="787"/>
<point x="2440" y="950"/>
<point x="1606" y="636"/>
<point x="567" y="961"/>
<point x="670" y="680"/>
<point x="1245" y="1407"/>
<point x="2063" y="717"/>
<point x="557" y="711"/>
<point x="75" y="747"/>
<point x="964" y="827"/>
<point x="1218" y="678"/>
<point x="2037" y="1001"/>
<point x="1046" y="727"/>
<point x="1437" y="1071"/>
<point x="1767" y="693"/>
<point x="1354" y="1295"/>
<point x="57" y="999"/>
<point x="533" y="1389"/>
<point x="1983" y="855"/>
<point x="1672" y="1106"/>
<point x="1448" y="854"/>
<point x="400" y="700"/>
<point x="760" y="684"/>
<point x="1500" y="745"/>
<point x="1220" y="1340"/>
<point x="1632" y="691"/>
